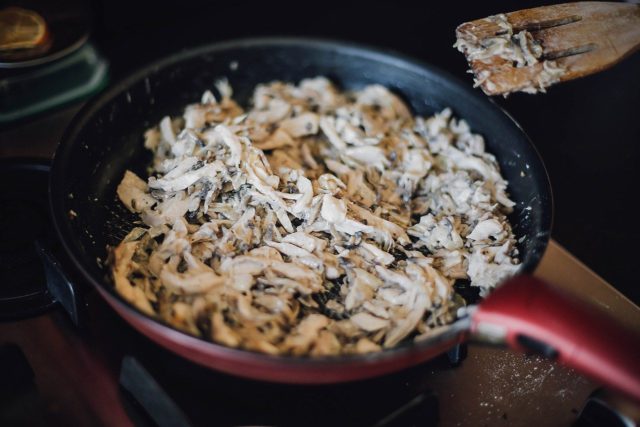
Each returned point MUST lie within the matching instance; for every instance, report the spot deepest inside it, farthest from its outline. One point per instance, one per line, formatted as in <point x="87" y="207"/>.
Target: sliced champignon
<point x="333" y="210"/>
<point x="395" y="277"/>
<point x="195" y="116"/>
<point x="276" y="110"/>
<point x="314" y="223"/>
<point x="406" y="325"/>
<point x="380" y="223"/>
<point x="391" y="107"/>
<point x="369" y="323"/>
<point x="378" y="256"/>
<point x="370" y="156"/>
<point x="133" y="193"/>
<point x="168" y="211"/>
<point x="152" y="139"/>
<point x="243" y="227"/>
<point x="365" y="345"/>
<point x="305" y="333"/>
<point x="182" y="181"/>
<point x="483" y="272"/>
<point x="486" y="229"/>
<point x="330" y="184"/>
<point x="301" y="125"/>
<point x="221" y="332"/>
<point x="289" y="249"/>
<point x="437" y="234"/>
<point x="223" y="133"/>
<point x="166" y="130"/>
<point x="306" y="280"/>
<point x="198" y="277"/>
<point x="123" y="267"/>
<point x="359" y="294"/>
<point x="278" y="139"/>
<point x="327" y="125"/>
<point x="305" y="241"/>
<point x="305" y="187"/>
<point x="366" y="278"/>
<point x="326" y="344"/>
<point x="181" y="315"/>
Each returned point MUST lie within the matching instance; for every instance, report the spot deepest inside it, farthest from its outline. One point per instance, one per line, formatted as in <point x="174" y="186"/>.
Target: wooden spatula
<point x="579" y="38"/>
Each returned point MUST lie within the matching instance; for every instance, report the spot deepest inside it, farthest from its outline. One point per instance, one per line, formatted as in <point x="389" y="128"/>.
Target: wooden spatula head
<point x="580" y="38"/>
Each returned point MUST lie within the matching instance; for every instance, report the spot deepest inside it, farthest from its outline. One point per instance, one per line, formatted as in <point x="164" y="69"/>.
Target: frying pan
<point x="105" y="139"/>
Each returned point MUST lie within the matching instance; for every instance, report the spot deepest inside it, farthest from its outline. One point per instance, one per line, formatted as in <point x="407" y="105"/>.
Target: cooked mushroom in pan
<point x="316" y="222"/>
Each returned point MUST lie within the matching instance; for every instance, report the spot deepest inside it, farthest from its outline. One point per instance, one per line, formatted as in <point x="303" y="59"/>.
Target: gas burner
<point x="154" y="397"/>
<point x="24" y="220"/>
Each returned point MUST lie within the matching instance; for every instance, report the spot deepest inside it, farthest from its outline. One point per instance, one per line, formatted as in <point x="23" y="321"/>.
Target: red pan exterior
<point x="280" y="369"/>
<point x="277" y="368"/>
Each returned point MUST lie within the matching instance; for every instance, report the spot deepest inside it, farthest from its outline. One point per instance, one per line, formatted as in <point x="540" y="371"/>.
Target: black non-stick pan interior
<point x="106" y="137"/>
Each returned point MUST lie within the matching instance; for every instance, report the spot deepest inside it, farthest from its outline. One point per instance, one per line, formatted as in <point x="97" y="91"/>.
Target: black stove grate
<point x="155" y="397"/>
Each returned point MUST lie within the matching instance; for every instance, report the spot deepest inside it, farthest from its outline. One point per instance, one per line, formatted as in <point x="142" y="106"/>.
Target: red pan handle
<point x="530" y="315"/>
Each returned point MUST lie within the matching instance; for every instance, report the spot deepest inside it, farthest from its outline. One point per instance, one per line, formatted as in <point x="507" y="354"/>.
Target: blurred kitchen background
<point x="587" y="131"/>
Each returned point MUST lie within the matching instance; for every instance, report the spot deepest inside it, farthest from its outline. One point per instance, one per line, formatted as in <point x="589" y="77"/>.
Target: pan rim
<point x="387" y="56"/>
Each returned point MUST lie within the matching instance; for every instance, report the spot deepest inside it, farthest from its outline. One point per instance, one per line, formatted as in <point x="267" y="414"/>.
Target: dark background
<point x="587" y="131"/>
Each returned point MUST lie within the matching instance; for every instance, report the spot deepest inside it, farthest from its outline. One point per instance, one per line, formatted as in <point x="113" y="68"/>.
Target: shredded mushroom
<point x="315" y="223"/>
<point x="519" y="49"/>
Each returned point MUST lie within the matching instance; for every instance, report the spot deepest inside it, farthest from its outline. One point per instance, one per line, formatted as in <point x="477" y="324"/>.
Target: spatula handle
<point x="529" y="315"/>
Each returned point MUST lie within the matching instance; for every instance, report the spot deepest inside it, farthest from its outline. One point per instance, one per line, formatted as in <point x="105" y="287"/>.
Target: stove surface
<point x="62" y="373"/>
<point x="102" y="372"/>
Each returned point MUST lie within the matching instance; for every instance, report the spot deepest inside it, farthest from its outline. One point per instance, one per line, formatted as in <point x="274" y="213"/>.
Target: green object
<point x="27" y="92"/>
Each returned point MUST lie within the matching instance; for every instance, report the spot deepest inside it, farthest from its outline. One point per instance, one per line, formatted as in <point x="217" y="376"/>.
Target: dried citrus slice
<point x="21" y="29"/>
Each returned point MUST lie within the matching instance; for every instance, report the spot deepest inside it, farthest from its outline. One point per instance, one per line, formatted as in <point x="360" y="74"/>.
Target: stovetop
<point x="75" y="362"/>
<point x="78" y="363"/>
